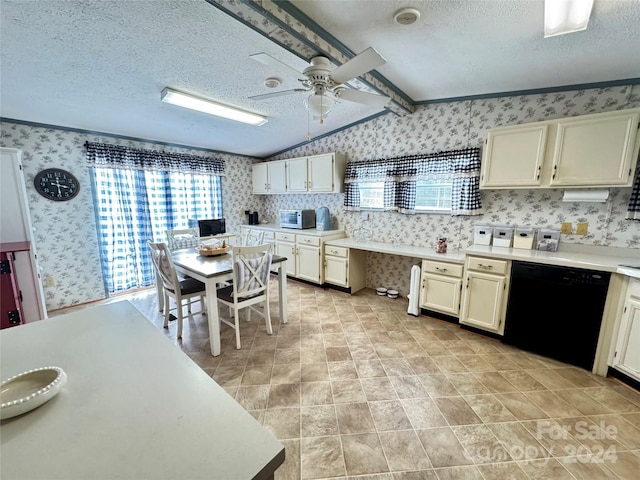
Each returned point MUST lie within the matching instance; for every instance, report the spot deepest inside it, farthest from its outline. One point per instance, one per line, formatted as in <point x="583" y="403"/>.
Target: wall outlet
<point x="566" y="228"/>
<point x="582" y="228"/>
<point x="364" y="216"/>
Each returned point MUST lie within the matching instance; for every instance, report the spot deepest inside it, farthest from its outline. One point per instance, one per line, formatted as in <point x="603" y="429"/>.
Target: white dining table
<point x="134" y="407"/>
<point x="213" y="270"/>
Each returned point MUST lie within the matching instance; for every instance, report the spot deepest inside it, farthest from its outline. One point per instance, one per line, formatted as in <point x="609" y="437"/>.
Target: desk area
<point x="134" y="407"/>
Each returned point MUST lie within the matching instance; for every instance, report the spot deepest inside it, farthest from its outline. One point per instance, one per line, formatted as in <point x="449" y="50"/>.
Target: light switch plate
<point x="566" y="228"/>
<point x="582" y="228"/>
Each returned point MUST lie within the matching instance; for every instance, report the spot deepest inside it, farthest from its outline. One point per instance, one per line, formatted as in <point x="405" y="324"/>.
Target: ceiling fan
<point x="326" y="84"/>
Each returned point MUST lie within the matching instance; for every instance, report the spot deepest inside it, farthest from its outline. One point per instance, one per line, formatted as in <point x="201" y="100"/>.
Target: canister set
<point x="528" y="238"/>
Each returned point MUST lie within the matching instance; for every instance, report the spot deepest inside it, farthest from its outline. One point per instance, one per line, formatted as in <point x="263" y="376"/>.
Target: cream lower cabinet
<point x="345" y="267"/>
<point x="626" y="357"/>
<point x="304" y="254"/>
<point x="441" y="286"/>
<point x="484" y="293"/>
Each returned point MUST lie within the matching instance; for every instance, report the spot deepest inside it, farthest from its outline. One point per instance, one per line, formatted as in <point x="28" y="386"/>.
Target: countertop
<point x="590" y="258"/>
<point x="296" y="231"/>
<point x="134" y="406"/>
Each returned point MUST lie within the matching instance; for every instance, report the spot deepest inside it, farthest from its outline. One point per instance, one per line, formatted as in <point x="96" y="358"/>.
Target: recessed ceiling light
<point x="406" y="16"/>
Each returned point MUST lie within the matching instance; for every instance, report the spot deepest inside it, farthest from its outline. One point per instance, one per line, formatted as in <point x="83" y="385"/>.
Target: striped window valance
<point x="400" y="174"/>
<point x="104" y="155"/>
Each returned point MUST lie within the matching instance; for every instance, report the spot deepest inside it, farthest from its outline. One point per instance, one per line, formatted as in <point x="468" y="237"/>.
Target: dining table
<point x="213" y="271"/>
<point x="133" y="406"/>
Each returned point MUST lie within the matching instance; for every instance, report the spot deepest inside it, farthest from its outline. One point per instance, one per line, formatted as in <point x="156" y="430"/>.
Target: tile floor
<point x="355" y="388"/>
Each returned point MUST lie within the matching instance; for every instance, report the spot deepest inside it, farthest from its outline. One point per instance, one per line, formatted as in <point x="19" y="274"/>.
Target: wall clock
<point x="56" y="184"/>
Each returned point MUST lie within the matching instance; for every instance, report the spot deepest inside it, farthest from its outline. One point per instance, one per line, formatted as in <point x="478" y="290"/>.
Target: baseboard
<point x="624" y="378"/>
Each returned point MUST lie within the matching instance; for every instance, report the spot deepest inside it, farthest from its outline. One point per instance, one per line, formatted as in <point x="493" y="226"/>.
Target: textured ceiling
<point x="101" y="65"/>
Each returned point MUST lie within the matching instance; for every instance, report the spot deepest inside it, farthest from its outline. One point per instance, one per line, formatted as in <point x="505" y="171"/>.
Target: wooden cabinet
<point x="484" y="296"/>
<point x="314" y="174"/>
<point x="345" y="267"/>
<point x="441" y="286"/>
<point x="269" y="177"/>
<point x="626" y="357"/>
<point x="599" y="150"/>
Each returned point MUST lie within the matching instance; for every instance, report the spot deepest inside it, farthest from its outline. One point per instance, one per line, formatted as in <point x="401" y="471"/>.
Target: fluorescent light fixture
<point x="566" y="16"/>
<point x="212" y="108"/>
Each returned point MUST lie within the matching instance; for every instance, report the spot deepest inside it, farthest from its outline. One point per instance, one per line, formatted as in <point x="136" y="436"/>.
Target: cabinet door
<point x="627" y="357"/>
<point x="595" y="151"/>
<point x="513" y="157"/>
<point x="278" y="176"/>
<point x="440" y="293"/>
<point x="297" y="175"/>
<point x="309" y="263"/>
<point x="321" y="169"/>
<point x="482" y="301"/>
<point x="288" y="250"/>
<point x="260" y="178"/>
<point x="336" y="270"/>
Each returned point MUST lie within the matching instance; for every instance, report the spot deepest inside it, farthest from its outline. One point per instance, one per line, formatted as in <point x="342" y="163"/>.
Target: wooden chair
<point x="250" y="287"/>
<point x="183" y="238"/>
<point x="179" y="290"/>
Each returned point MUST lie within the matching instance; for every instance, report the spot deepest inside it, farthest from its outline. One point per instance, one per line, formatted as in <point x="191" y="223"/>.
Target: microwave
<point x="297" y="218"/>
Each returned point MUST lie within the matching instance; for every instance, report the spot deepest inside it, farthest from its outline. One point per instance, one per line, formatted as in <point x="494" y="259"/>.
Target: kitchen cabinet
<point x="598" y="150"/>
<point x="316" y="174"/>
<point x="345" y="267"/>
<point x="441" y="286"/>
<point x="626" y="357"/>
<point x="269" y="177"/>
<point x="304" y="254"/>
<point x="484" y="296"/>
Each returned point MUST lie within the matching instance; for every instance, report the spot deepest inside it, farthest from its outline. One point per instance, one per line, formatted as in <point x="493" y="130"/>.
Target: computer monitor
<point x="209" y="227"/>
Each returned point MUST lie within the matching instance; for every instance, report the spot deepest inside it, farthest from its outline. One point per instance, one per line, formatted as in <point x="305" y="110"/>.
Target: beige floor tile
<point x="321" y="457"/>
<point x="354" y="418"/>
<point x="456" y="411"/>
<point x="315" y="393"/>
<point x="378" y="388"/>
<point x="347" y="391"/>
<point x="489" y="408"/>
<point x="282" y="422"/>
<point x="363" y="454"/>
<point x="389" y="415"/>
<point x="404" y="451"/>
<point x="443" y="447"/>
<point x="318" y="421"/>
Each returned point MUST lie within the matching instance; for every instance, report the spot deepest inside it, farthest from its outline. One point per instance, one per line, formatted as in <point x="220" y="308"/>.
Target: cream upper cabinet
<point x="316" y="174"/>
<point x="269" y="177"/>
<point x="513" y="156"/>
<point x="297" y="175"/>
<point x="599" y="150"/>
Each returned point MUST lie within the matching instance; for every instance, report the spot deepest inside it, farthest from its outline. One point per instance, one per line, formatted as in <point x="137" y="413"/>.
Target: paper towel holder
<point x="592" y="195"/>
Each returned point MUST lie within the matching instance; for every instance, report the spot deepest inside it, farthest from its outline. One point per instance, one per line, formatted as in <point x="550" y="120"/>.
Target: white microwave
<point x="297" y="218"/>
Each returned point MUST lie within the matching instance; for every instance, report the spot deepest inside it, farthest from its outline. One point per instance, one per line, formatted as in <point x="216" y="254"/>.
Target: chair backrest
<point x="161" y="257"/>
<point x="252" y="237"/>
<point x="251" y="270"/>
<point x="183" y="238"/>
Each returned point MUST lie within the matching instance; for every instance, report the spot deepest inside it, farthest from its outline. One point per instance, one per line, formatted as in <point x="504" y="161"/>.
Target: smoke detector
<point x="272" y="82"/>
<point x="406" y="16"/>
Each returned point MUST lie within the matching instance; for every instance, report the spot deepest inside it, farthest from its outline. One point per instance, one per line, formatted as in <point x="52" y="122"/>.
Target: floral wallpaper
<point x="66" y="237"/>
<point x="65" y="232"/>
<point x="449" y="126"/>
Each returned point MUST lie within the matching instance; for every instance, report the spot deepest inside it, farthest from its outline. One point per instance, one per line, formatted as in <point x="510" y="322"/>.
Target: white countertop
<point x="134" y="406"/>
<point x="302" y="231"/>
<point x="453" y="256"/>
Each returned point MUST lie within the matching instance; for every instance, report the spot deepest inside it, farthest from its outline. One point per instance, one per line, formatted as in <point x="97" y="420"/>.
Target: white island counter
<point x="134" y="407"/>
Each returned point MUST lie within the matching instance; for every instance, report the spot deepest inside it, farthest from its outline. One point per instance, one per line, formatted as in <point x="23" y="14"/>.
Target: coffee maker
<point x="253" y="218"/>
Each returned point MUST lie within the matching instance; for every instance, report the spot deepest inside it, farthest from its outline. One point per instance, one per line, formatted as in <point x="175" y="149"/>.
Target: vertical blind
<point x="139" y="195"/>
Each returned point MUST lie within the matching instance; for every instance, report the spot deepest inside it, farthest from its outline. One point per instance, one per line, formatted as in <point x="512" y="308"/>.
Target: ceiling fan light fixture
<point x="566" y="16"/>
<point x="319" y="105"/>
<point x="212" y="108"/>
<point x="272" y="82"/>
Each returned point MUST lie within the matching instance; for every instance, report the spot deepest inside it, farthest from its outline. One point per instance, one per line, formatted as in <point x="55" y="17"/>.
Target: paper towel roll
<point x="585" y="196"/>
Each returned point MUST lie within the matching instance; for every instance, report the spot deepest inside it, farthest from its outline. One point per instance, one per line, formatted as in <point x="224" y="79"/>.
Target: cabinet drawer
<point x="286" y="237"/>
<point x="269" y="236"/>
<point x="336" y="251"/>
<point x="489" y="265"/>
<point x="307" y="240"/>
<point x="442" y="268"/>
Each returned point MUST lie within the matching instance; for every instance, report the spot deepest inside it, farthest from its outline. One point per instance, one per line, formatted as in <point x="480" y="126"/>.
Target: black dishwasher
<point x="556" y="311"/>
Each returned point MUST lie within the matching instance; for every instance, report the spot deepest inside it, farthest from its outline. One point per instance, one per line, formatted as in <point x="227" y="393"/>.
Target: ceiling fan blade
<point x="365" y="98"/>
<point x="283" y="68"/>
<point x="277" y="94"/>
<point x="361" y="63"/>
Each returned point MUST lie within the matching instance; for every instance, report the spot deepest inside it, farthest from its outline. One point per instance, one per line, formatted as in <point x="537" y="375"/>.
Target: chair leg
<point x="179" y="308"/>
<point x="237" y="327"/>
<point x="267" y="317"/>
<point x="167" y="308"/>
<point x="203" y="304"/>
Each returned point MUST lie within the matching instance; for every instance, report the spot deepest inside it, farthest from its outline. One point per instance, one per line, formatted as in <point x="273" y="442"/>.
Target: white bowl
<point x="381" y="291"/>
<point x="24" y="392"/>
<point x="392" y="293"/>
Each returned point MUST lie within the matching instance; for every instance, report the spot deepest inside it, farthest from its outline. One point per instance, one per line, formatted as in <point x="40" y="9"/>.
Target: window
<point x="431" y="196"/>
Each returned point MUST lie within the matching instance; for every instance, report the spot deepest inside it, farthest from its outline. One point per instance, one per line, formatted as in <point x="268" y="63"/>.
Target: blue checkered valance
<point x="400" y="175"/>
<point x="633" y="212"/>
<point x="117" y="156"/>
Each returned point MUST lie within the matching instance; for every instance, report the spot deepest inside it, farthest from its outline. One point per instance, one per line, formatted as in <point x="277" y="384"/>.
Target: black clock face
<point x="56" y="184"/>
